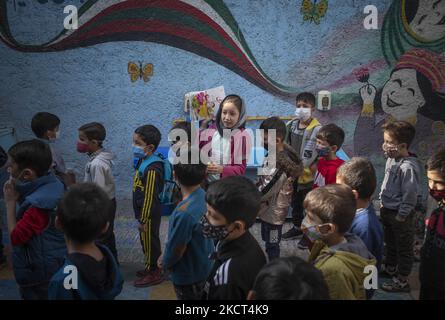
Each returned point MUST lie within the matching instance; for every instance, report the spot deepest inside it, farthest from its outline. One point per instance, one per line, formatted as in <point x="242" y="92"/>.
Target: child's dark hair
<point x="332" y="134"/>
<point x="334" y="203"/>
<point x="274" y="123"/>
<point x="236" y="198"/>
<point x="187" y="127"/>
<point x="437" y="162"/>
<point x="149" y="134"/>
<point x="306" y="97"/>
<point x="84" y="212"/>
<point x="233" y="98"/>
<point x="188" y="173"/>
<point x="32" y="154"/>
<point x="94" y="131"/>
<point x="42" y="122"/>
<point x="359" y="174"/>
<point x="402" y="131"/>
<point x="290" y="278"/>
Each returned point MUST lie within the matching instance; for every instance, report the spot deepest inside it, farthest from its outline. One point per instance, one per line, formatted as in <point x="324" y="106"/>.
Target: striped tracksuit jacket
<point x="147" y="209"/>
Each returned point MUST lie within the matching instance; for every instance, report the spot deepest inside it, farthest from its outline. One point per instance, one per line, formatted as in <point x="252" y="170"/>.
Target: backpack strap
<point x="143" y="164"/>
<point x="272" y="182"/>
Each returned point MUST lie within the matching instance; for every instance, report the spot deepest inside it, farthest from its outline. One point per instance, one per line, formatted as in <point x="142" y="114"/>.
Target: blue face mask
<point x="322" y="151"/>
<point x="138" y="152"/>
<point x="22" y="187"/>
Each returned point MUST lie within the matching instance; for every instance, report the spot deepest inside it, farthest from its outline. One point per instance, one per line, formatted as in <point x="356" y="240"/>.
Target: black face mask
<point x="213" y="232"/>
<point x="438" y="195"/>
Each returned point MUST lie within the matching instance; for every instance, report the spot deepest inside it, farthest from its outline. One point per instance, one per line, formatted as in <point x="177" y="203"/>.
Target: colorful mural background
<point x="264" y="50"/>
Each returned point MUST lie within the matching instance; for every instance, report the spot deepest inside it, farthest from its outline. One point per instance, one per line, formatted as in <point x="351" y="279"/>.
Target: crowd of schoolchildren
<point x="55" y="222"/>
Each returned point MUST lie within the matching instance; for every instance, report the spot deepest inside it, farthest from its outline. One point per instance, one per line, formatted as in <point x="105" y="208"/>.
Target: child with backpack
<point x="152" y="187"/>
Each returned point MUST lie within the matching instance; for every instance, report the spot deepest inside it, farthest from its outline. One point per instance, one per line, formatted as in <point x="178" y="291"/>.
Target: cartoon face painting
<point x="401" y="95"/>
<point x="429" y="20"/>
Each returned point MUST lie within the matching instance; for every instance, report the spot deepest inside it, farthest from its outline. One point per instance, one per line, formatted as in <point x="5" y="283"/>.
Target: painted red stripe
<point x="137" y="25"/>
<point x="168" y="4"/>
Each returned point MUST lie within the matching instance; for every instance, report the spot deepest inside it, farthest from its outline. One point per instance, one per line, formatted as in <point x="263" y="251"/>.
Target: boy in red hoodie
<point x="329" y="140"/>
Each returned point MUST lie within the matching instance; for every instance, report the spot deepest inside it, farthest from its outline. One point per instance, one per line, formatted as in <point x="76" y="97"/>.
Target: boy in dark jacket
<point x="432" y="262"/>
<point x="31" y="197"/>
<point x="148" y="183"/>
<point x="232" y="207"/>
<point x="93" y="272"/>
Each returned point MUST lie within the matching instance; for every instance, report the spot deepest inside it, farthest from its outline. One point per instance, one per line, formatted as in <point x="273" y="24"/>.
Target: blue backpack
<point x="168" y="193"/>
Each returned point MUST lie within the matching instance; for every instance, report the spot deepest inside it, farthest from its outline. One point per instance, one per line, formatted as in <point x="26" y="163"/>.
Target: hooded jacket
<point x="307" y="152"/>
<point x="98" y="170"/>
<point x="277" y="194"/>
<point x="36" y="261"/>
<point x="343" y="267"/>
<point x="401" y="188"/>
<point x="96" y="280"/>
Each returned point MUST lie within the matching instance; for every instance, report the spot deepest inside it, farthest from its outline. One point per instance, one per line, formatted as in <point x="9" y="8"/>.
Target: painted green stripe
<point x="225" y="13"/>
<point x="166" y="15"/>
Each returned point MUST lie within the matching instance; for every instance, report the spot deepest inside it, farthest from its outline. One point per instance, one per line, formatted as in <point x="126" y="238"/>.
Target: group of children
<point x="210" y="253"/>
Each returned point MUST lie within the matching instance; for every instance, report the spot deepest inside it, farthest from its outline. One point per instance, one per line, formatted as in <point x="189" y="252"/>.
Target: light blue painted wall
<point x="92" y="84"/>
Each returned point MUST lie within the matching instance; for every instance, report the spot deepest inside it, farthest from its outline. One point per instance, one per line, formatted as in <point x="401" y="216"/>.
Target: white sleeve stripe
<point x="226" y="272"/>
<point x="222" y="274"/>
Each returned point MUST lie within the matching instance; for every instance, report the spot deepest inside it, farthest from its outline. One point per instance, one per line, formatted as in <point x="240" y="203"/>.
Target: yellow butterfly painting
<point x="314" y="11"/>
<point x="140" y="72"/>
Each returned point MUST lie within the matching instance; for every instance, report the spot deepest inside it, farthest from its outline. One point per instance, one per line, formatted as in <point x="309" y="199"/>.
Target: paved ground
<point x="131" y="259"/>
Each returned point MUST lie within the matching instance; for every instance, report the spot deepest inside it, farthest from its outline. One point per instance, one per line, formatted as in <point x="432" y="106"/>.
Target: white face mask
<point x="303" y="114"/>
<point x="56" y="137"/>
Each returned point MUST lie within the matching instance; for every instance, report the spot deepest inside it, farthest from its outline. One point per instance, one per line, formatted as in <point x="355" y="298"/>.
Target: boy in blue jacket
<point x="359" y="174"/>
<point x="187" y="252"/>
<point x="90" y="271"/>
<point x="31" y="196"/>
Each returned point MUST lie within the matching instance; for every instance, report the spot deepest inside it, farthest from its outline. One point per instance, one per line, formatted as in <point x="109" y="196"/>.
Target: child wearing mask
<point x="399" y="195"/>
<point x="301" y="135"/>
<point x="98" y="170"/>
<point x="432" y="261"/>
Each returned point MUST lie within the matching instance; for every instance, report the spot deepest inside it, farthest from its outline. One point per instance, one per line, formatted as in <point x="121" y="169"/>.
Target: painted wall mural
<point x="268" y="51"/>
<point x="206" y="28"/>
<point x="413" y="44"/>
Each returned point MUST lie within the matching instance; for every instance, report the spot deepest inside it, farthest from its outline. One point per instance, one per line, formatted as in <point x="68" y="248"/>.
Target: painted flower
<point x="362" y="74"/>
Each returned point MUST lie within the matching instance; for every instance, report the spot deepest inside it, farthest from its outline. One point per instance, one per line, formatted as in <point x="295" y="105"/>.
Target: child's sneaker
<point x="396" y="285"/>
<point x="153" y="278"/>
<point x="387" y="271"/>
<point x="142" y="273"/>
